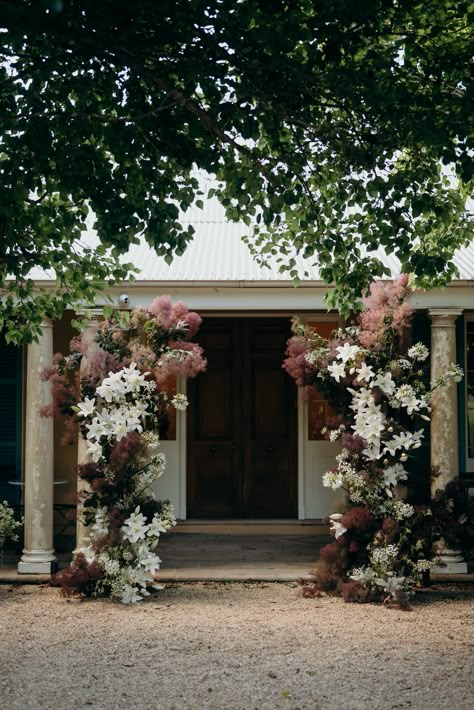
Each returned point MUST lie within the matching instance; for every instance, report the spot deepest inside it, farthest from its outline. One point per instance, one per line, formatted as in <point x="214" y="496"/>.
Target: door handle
<point x="212" y="449"/>
<point x="270" y="450"/>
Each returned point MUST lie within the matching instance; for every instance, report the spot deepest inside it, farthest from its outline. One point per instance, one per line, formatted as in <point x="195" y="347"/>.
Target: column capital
<point x="46" y="322"/>
<point x="446" y="314"/>
<point x="93" y="313"/>
<point x="96" y="313"/>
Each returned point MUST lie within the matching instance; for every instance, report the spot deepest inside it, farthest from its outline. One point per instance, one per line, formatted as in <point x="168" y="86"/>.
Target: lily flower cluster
<point x="122" y="407"/>
<point x="382" y="395"/>
<point x="123" y="549"/>
<point x="128" y="568"/>
<point x="124" y="402"/>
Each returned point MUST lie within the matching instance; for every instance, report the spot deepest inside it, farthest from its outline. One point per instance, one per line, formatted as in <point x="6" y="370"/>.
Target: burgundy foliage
<point x="80" y="578"/>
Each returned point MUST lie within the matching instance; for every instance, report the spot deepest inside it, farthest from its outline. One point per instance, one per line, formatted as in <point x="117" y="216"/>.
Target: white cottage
<point x="249" y="447"/>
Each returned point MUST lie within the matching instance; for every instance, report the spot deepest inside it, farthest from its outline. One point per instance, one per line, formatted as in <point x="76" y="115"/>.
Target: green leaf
<point x="322" y="141"/>
<point x="78" y="325"/>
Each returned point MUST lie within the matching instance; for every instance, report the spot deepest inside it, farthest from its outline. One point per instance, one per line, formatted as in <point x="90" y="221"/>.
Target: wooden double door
<point x="242" y="423"/>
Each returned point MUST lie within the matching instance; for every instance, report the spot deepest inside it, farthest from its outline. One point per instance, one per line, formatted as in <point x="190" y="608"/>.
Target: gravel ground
<point x="235" y="646"/>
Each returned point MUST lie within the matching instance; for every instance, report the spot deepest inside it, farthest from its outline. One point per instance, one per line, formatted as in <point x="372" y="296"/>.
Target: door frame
<point x="241" y="502"/>
<point x="177" y="450"/>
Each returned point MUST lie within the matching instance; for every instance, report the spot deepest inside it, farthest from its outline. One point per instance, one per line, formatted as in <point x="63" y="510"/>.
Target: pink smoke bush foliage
<point x="386" y="309"/>
<point x="168" y="314"/>
<point x="296" y="364"/>
<point x="184" y="359"/>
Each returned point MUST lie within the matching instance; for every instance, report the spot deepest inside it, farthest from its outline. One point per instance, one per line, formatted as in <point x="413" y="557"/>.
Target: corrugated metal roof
<point x="218" y="254"/>
<point x="464" y="260"/>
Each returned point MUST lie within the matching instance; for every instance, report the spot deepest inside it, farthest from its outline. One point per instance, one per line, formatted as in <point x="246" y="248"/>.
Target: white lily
<point x="94" y="450"/>
<point x="336" y="527"/>
<point x="135" y="527"/>
<point x="86" y="408"/>
<point x="156" y="527"/>
<point x="130" y="595"/>
<point x="337" y="370"/>
<point x="347" y="352"/>
<point x="151" y="563"/>
<point x="365" y="373"/>
<point x="385" y="382"/>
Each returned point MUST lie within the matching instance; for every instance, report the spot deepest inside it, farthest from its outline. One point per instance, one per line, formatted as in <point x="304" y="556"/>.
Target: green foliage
<point x="334" y="128"/>
<point x="8" y="525"/>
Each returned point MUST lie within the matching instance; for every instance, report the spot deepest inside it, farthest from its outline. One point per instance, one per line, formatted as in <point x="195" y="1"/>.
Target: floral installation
<point x="376" y="383"/>
<point x="8" y="526"/>
<point x="117" y="387"/>
<point x="453" y="518"/>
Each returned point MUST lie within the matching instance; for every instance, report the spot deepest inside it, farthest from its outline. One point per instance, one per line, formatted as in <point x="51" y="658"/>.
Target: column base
<point x="448" y="561"/>
<point x="38" y="562"/>
<point x="449" y="568"/>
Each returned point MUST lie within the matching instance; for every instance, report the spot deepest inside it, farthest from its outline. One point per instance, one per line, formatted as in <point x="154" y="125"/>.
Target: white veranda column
<point x="38" y="554"/>
<point x="82" y="533"/>
<point x="444" y="418"/>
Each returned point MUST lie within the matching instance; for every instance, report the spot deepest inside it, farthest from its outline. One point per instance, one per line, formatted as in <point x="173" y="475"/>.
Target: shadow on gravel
<point x="444" y="593"/>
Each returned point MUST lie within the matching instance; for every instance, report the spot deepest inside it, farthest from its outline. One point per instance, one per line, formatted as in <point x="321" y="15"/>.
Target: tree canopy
<point x="334" y="128"/>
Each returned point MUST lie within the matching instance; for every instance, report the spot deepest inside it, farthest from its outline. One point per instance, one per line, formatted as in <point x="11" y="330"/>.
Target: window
<point x="10" y="421"/>
<point x="469" y="383"/>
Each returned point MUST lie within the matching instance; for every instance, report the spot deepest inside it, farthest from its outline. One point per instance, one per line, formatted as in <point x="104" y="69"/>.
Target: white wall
<point x="172" y="484"/>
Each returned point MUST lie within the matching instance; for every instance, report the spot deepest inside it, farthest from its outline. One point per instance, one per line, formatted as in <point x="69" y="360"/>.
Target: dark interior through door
<point x="242" y="423"/>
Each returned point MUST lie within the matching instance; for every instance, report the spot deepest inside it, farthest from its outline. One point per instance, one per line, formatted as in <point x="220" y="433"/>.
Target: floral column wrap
<point x="444" y="420"/>
<point x="374" y="378"/>
<point x="117" y="386"/>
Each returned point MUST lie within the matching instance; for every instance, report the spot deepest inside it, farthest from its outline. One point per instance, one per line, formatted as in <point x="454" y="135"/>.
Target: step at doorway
<point x="217" y="557"/>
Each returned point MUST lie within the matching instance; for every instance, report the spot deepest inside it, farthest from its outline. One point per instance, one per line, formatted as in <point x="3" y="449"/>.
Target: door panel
<point x="213" y="460"/>
<point x="214" y="418"/>
<point x="269" y="434"/>
<point x="213" y="493"/>
<point x="242" y="423"/>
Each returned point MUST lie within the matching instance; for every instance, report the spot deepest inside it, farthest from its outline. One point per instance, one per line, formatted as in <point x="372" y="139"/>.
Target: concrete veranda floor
<point x="214" y="557"/>
<point x="219" y="557"/>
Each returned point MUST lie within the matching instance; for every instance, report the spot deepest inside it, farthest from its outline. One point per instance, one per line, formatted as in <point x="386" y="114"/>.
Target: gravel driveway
<point x="235" y="646"/>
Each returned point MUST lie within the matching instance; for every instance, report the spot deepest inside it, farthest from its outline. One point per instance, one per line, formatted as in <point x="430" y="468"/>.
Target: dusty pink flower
<point x="47" y="410"/>
<point x="295" y="363"/>
<point x="353" y="443"/>
<point x="170" y="367"/>
<point x="169" y="314"/>
<point x="179" y="310"/>
<point x="162" y="309"/>
<point x="143" y="356"/>
<point x="385" y="308"/>
<point x="194" y="323"/>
